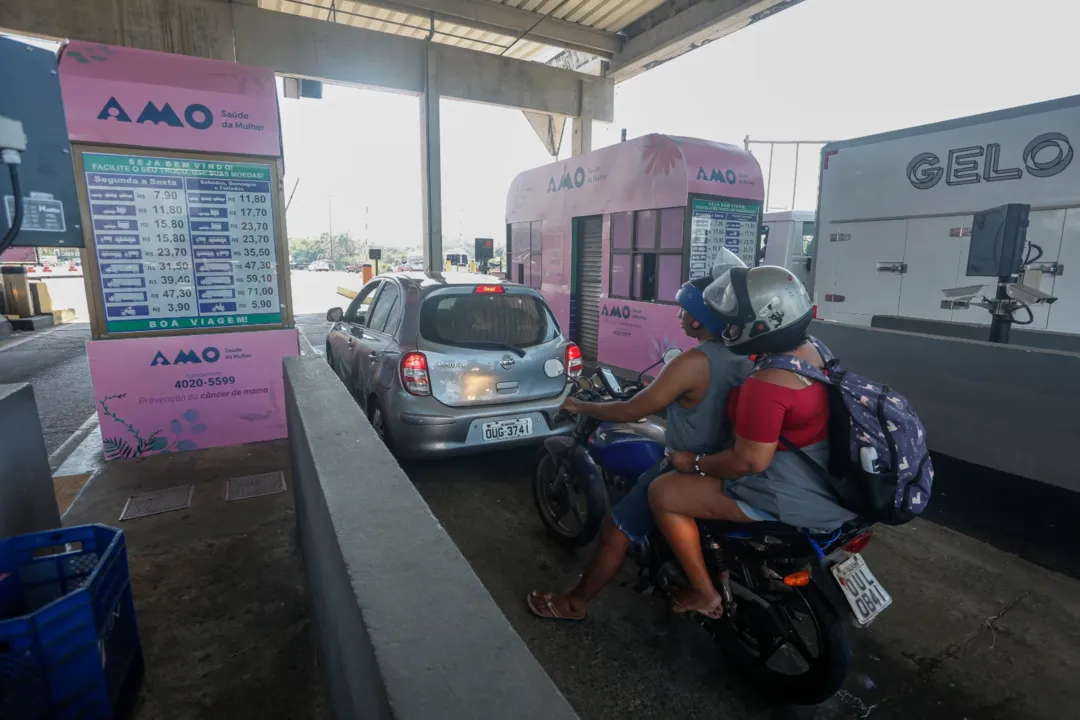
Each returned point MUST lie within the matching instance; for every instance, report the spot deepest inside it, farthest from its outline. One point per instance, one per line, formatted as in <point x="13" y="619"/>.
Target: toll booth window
<point x="647" y="265"/>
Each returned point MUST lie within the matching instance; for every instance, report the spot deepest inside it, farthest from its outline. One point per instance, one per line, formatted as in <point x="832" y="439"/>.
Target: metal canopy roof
<point x="524" y="29"/>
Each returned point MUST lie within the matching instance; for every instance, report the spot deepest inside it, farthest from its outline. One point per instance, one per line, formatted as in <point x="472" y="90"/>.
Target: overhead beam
<point x="294" y="45"/>
<point x="316" y="49"/>
<point x="506" y="20"/>
<point x="679" y="26"/>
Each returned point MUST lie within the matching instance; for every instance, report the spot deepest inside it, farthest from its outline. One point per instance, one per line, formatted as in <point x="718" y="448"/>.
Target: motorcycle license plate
<point x="866" y="596"/>
<point x="507" y="429"/>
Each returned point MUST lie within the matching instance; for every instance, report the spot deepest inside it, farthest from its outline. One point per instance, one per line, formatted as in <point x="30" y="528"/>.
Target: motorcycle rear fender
<point x="582" y="466"/>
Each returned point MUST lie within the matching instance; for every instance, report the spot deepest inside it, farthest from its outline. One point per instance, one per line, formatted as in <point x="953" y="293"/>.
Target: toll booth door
<point x="589" y="270"/>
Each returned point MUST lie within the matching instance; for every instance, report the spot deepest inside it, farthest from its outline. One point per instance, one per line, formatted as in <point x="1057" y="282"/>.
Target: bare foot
<point x="555" y="607"/>
<point x="686" y="600"/>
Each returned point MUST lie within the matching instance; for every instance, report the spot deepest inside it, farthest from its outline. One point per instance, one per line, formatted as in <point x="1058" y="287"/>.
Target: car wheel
<point x="378" y="422"/>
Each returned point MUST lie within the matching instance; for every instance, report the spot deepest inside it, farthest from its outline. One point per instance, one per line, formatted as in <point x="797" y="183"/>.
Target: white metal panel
<point x="879" y="179"/>
<point x="826" y="263"/>
<point x="932" y="256"/>
<point x="973" y="315"/>
<point x="866" y="291"/>
<point x="1065" y="313"/>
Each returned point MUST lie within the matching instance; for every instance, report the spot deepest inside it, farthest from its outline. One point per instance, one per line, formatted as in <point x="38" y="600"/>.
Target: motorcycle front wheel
<point x="797" y="650"/>
<point x="572" y="510"/>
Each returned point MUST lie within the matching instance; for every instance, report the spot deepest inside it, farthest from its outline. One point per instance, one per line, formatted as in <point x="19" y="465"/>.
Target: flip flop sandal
<point x="679" y="608"/>
<point x="554" y="613"/>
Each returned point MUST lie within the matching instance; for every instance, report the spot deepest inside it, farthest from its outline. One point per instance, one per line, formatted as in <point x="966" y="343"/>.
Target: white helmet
<point x="725" y="262"/>
<point x="767" y="309"/>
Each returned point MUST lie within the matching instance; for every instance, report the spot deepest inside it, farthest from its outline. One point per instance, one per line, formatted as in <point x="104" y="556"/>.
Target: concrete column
<point x="431" y="160"/>
<point x="582" y="131"/>
<point x="27" y="499"/>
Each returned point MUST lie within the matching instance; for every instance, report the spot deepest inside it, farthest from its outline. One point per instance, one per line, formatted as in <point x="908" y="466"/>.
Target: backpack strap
<point x="814" y="465"/>
<point x="793" y="364"/>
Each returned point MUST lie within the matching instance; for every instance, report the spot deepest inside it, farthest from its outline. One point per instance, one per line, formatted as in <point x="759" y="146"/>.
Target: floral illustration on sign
<point x="661" y="154"/>
<point x="660" y="346"/>
<point x="118" y="447"/>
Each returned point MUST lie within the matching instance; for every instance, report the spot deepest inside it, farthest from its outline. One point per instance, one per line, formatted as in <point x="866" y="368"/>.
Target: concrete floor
<point x="220" y="591"/>
<point x="973" y="632"/>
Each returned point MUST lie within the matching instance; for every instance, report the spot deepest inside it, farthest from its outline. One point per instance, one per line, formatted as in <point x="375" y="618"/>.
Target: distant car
<point x="452" y="365"/>
<point x="415" y="263"/>
<point x="319" y="266"/>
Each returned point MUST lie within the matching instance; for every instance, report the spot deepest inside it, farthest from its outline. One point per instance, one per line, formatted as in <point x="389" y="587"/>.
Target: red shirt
<point x="764" y="411"/>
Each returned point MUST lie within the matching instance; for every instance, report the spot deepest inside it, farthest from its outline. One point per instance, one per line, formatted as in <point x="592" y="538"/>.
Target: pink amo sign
<point x="170" y="394"/>
<point x="122" y="96"/>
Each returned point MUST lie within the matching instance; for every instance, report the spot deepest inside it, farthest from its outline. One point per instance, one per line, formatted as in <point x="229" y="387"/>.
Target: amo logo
<point x="568" y="182"/>
<point x="616" y="311"/>
<point x="197" y="116"/>
<point x="724" y="176"/>
<point x="209" y="355"/>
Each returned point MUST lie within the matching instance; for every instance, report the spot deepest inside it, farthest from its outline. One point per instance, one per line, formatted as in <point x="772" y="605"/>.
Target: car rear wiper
<point x="491" y="345"/>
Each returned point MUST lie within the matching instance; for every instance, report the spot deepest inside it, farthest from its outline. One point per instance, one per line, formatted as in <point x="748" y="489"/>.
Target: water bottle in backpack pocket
<point x="879" y="465"/>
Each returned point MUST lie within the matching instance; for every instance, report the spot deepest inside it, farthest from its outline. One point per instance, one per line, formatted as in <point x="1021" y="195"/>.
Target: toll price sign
<point x="717" y="224"/>
<point x="183" y="244"/>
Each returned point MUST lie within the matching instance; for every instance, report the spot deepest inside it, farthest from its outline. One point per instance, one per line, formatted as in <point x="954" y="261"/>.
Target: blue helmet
<point x="692" y="299"/>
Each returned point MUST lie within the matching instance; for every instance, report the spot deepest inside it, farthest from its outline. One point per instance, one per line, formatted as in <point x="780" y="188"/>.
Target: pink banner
<point x="634" y="335"/>
<point x="170" y="394"/>
<point x="123" y="96"/>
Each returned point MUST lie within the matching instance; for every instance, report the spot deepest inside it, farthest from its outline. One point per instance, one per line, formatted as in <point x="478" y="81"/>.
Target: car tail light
<point x="489" y="289"/>
<point x="857" y="543"/>
<point x="574" y="364"/>
<point x="814" y="315"/>
<point x="414" y="374"/>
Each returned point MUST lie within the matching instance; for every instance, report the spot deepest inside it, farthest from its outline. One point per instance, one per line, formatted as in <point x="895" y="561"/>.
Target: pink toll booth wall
<point x="650" y="172"/>
<point x="167" y="394"/>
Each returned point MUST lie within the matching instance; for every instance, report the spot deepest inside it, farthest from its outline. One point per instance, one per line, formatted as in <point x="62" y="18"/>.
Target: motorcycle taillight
<point x="860" y="541"/>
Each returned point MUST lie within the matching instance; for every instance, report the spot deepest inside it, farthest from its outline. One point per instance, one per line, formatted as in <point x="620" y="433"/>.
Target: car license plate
<point x="864" y="593"/>
<point x="507" y="429"/>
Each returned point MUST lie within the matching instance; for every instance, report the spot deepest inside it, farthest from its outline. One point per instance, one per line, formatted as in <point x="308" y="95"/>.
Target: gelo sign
<point x="196" y="115"/>
<point x="209" y="355"/>
<point x="1046" y="156"/>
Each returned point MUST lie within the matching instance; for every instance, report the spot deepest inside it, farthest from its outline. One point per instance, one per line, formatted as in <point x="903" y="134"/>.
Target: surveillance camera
<point x="1029" y="295"/>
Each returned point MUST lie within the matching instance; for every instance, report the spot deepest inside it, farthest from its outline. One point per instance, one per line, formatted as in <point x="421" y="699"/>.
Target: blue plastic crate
<point x="69" y="643"/>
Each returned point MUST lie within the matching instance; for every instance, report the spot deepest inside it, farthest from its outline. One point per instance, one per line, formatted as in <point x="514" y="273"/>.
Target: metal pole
<point x="795" y="183"/>
<point x="330" y="224"/>
<point x="768" y="187"/>
<point x="1001" y="322"/>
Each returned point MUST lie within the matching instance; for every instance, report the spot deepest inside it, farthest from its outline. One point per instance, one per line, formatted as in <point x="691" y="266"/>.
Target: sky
<point x="821" y="70"/>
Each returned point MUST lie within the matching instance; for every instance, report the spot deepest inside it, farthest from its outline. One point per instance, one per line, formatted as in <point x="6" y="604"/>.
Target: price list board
<point x="717" y="224"/>
<point x="183" y="244"/>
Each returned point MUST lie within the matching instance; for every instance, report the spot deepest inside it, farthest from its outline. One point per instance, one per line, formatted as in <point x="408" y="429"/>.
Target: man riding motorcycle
<point x="693" y="388"/>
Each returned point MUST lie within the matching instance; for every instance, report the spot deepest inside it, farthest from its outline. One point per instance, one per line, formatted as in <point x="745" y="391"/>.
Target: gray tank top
<point x="702" y="428"/>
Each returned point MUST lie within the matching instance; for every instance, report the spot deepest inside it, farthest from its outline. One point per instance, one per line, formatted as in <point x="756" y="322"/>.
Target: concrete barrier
<point x="27" y="499"/>
<point x="1019" y="335"/>
<point x="1010" y="408"/>
<point x="407" y="630"/>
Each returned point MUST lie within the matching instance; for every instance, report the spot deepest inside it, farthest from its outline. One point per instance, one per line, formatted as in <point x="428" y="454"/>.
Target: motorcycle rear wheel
<point x="554" y="506"/>
<point x="752" y="642"/>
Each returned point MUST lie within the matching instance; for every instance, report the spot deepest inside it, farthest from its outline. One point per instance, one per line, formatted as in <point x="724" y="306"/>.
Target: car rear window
<point x="519" y="320"/>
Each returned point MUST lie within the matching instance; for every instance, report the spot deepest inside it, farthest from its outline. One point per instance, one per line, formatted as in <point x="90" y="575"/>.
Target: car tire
<point x="377" y="418"/>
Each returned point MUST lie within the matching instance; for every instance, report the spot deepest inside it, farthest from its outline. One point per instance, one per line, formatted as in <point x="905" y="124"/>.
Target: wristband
<point x="697" y="466"/>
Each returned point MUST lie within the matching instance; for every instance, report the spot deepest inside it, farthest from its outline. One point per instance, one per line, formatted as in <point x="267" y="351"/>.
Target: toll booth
<point x="178" y="167"/>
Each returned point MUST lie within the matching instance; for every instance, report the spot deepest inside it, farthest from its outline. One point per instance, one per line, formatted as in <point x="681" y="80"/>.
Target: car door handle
<point x="373" y="355"/>
<point x="350" y="342"/>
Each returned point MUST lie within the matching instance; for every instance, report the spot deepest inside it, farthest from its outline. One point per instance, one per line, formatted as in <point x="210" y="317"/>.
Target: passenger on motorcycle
<point x="767" y="310"/>
<point x="693" y="388"/>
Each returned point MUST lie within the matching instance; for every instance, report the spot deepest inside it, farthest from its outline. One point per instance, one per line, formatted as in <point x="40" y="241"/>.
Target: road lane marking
<point x="306" y="348"/>
<point x="68" y="446"/>
<point x="9" y="344"/>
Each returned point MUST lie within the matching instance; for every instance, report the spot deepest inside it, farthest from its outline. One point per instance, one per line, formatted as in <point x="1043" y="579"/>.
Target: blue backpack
<point x="865" y="414"/>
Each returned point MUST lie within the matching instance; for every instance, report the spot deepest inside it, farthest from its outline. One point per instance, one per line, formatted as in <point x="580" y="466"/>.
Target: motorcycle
<point x="790" y="596"/>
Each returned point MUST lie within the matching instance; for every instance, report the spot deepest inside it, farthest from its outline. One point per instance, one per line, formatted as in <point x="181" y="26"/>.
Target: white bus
<point x="895" y="213"/>
<point x="789" y="240"/>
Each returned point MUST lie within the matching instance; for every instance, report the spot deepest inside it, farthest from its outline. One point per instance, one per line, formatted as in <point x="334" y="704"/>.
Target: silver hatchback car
<point x="451" y="364"/>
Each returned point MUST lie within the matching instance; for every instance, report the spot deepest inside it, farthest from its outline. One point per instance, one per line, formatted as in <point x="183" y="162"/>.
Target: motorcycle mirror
<point x="670" y="354"/>
<point x="553" y="368"/>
